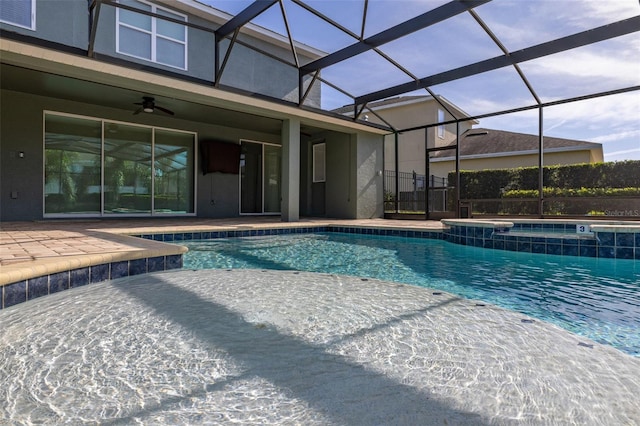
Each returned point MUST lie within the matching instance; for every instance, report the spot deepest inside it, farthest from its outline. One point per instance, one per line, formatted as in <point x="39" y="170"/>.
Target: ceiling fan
<point x="148" y="105"/>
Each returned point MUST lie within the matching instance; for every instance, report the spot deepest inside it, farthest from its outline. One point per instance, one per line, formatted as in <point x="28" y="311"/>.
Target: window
<point x="21" y="13"/>
<point x="97" y="167"/>
<point x="149" y="38"/>
<point x="441" y="127"/>
<point x="319" y="162"/>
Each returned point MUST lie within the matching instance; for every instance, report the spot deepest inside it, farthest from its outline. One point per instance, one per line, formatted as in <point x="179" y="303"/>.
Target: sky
<point x="613" y="64"/>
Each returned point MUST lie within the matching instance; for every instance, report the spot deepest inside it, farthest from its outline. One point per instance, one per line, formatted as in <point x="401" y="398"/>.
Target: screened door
<point x="260" y="178"/>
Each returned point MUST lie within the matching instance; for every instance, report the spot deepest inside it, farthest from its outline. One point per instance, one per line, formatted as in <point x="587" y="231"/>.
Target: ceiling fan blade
<point x="166" y="111"/>
<point x="138" y="111"/>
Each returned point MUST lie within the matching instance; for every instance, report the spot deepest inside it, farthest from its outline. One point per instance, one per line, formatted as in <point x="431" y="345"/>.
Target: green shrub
<point x="493" y="183"/>
<point x="573" y="192"/>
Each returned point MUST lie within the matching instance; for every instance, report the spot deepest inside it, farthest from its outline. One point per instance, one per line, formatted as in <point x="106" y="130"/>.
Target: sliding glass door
<point x="173" y="165"/>
<point x="72" y="169"/>
<point x="260" y="178"/>
<point x="99" y="167"/>
<point x="127" y="169"/>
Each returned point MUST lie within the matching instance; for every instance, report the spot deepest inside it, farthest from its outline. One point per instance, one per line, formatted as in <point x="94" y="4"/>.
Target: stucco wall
<point x="200" y="51"/>
<point x="340" y="196"/>
<point x="246" y="70"/>
<point x="354" y="186"/>
<point x="60" y="21"/>
<point x="21" y="131"/>
<point x="411" y="145"/>
<point x="531" y="160"/>
<point x="369" y="180"/>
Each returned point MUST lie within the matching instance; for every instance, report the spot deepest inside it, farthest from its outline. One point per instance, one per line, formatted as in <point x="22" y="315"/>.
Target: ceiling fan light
<point x="147" y="109"/>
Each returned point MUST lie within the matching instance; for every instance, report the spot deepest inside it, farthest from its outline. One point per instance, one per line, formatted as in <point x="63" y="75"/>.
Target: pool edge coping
<point x="155" y="248"/>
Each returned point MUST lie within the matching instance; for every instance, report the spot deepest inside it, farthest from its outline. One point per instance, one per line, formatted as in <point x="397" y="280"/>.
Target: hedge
<point x="495" y="183"/>
<point x="571" y="192"/>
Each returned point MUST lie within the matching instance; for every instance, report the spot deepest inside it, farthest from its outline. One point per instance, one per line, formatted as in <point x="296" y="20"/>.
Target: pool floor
<point x="596" y="298"/>
<point x="286" y="347"/>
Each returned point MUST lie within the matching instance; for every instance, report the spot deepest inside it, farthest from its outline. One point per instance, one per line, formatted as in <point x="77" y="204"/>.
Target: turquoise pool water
<point x="596" y="298"/>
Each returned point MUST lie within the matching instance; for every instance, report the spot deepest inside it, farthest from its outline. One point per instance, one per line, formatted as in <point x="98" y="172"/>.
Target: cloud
<point x="584" y="66"/>
<point x="623" y="135"/>
<point x="610" y="11"/>
<point x="627" y="154"/>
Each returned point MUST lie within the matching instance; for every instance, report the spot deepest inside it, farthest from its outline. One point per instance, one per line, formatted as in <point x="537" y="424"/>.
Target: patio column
<point x="290" y="206"/>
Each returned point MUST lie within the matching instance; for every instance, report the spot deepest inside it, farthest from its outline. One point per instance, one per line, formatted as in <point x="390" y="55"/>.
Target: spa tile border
<point x="605" y="241"/>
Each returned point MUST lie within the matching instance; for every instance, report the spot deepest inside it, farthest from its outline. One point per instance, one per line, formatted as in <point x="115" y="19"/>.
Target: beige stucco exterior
<point x="441" y="167"/>
<point x="409" y="112"/>
<point x="413" y="112"/>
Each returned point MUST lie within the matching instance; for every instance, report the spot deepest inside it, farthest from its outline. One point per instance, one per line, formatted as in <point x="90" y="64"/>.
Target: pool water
<point x="596" y="298"/>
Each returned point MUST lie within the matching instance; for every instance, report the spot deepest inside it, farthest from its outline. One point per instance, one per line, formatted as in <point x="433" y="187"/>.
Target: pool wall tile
<point x="588" y="251"/>
<point x="624" y="253"/>
<point x="58" y="282"/>
<point x="608" y="252"/>
<point x="138" y="266"/>
<point x="524" y="246"/>
<point x="624" y="239"/>
<point x="155" y="264"/>
<point x="79" y="277"/>
<point x="14" y="293"/>
<point x="119" y="269"/>
<point x="37" y="287"/>
<point x="555" y="249"/>
<point x="607" y="238"/>
<point x="173" y="261"/>
<point x="569" y="250"/>
<point x="621" y="245"/>
<point x="21" y="291"/>
<point x="538" y="247"/>
<point x="99" y="273"/>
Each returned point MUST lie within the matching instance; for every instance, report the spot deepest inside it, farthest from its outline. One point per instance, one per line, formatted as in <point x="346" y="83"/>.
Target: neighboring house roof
<point x="402" y="101"/>
<point x="481" y="142"/>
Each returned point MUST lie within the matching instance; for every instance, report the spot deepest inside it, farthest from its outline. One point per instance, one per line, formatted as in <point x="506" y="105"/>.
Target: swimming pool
<point x="593" y="297"/>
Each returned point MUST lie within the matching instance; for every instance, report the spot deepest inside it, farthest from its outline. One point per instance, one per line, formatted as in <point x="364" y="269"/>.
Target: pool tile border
<point x="619" y="244"/>
<point x="190" y="236"/>
<point x="31" y="288"/>
<point x="23" y="290"/>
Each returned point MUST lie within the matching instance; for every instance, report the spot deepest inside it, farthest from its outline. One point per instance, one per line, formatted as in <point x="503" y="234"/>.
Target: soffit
<point x="78" y="78"/>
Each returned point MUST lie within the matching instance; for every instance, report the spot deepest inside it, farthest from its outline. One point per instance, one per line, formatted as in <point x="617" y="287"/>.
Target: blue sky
<point x="613" y="121"/>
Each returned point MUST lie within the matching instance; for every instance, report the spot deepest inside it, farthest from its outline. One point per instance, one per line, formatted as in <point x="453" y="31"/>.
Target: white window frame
<point x="440" y="120"/>
<point x="319" y="170"/>
<point x="33" y="18"/>
<point x="154" y="35"/>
